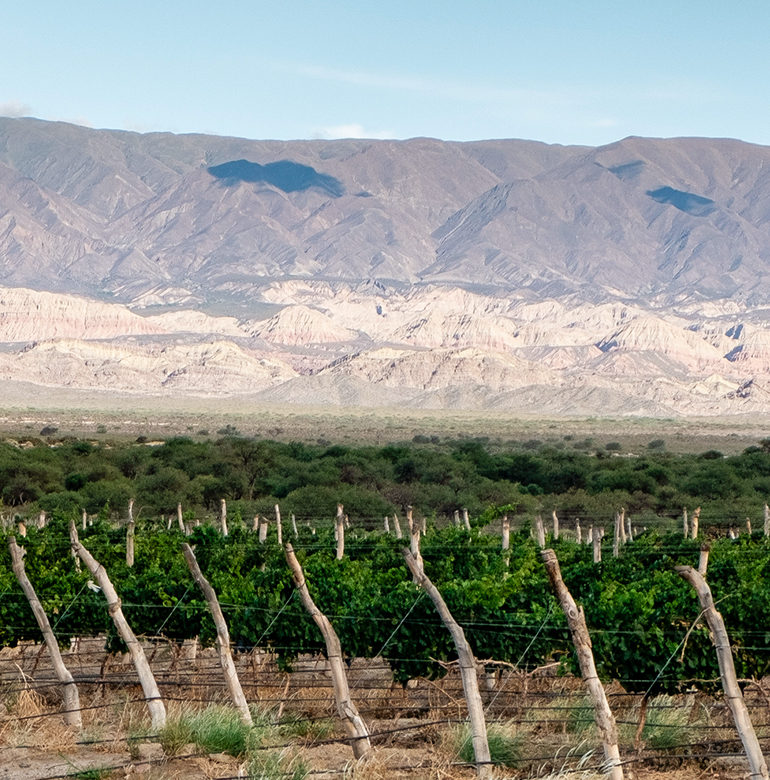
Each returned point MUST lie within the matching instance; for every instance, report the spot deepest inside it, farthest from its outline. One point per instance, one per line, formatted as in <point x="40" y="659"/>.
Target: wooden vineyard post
<point x="415" y="539"/>
<point x="69" y="689"/>
<point x="622" y="521"/>
<point x="466" y="521"/>
<point x="597" y="543"/>
<point x="467" y="664"/>
<point x="223" y="516"/>
<point x="506" y="532"/>
<point x="703" y="561"/>
<point x="386" y="524"/>
<point x="605" y="722"/>
<point x="278" y="526"/>
<point x="294" y="526"/>
<point x="616" y="536"/>
<point x="578" y="531"/>
<point x="730" y="686"/>
<point x="694" y="524"/>
<point x="457" y="517"/>
<point x="685" y="524"/>
<point x="340" y="531"/>
<point x="180" y="518"/>
<point x="130" y="533"/>
<point x="555" y="525"/>
<point x="223" y="636"/>
<point x="397" y="526"/>
<point x="629" y="529"/>
<point x="767" y="520"/>
<point x="84" y="519"/>
<point x="539" y="532"/>
<point x="146" y="677"/>
<point x="347" y="710"/>
<point x="262" y="529"/>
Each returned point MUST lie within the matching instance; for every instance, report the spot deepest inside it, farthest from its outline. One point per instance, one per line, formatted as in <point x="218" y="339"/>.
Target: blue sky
<point x="564" y="72"/>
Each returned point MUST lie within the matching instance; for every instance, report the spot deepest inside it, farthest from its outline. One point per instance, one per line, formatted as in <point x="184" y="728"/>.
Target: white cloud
<point x="352" y="130"/>
<point x="15" y="108"/>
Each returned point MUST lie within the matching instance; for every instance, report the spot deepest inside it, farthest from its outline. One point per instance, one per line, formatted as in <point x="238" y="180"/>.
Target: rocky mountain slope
<point x="628" y="279"/>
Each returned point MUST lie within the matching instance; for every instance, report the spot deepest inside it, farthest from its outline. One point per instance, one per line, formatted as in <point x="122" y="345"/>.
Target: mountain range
<point x="509" y="275"/>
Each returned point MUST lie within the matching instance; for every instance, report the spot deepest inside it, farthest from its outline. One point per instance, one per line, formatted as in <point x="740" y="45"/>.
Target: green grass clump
<point x="215" y="729"/>
<point x="505" y="744"/>
<point x="273" y="765"/>
<point x="667" y="723"/>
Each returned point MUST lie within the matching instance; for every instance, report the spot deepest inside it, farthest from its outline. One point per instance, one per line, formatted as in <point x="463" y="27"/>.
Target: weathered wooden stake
<point x="539" y="531"/>
<point x="386" y="524"/>
<point x="263" y="526"/>
<point x="69" y="689"/>
<point x="130" y="532"/>
<point x="223" y="516"/>
<point x="748" y="526"/>
<point x="506" y="532"/>
<point x="415" y="540"/>
<point x="347" y="710"/>
<point x="223" y="636"/>
<point x="22" y="526"/>
<point x="622" y="520"/>
<point x="598" y="533"/>
<point x="180" y="518"/>
<point x="694" y="523"/>
<point x="457" y="517"/>
<point x="703" y="561"/>
<point x="278" y="527"/>
<point x="255" y="524"/>
<point x="84" y="520"/>
<point x="146" y="677"/>
<point x="466" y="521"/>
<point x="294" y="526"/>
<point x="685" y="524"/>
<point x="605" y="722"/>
<point x="467" y="668"/>
<point x="730" y="686"/>
<point x="340" y="526"/>
<point x="767" y="520"/>
<point x="578" y="531"/>
<point x="397" y="526"/>
<point x="555" y="525"/>
<point x="616" y="537"/>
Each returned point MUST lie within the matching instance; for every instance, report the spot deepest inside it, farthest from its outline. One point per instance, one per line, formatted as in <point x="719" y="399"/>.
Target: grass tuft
<point x="505" y="744"/>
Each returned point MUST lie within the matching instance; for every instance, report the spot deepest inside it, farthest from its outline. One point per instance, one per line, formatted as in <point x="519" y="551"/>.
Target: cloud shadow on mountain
<point x="285" y="175"/>
<point x="696" y="205"/>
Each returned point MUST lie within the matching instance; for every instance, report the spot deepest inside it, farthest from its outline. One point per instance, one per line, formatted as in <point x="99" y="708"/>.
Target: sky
<point x="559" y="71"/>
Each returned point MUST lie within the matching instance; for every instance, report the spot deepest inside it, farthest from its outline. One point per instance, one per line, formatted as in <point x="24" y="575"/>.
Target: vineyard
<point x="652" y="644"/>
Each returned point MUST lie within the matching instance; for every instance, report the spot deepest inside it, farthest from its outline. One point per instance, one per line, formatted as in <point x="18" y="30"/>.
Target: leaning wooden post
<point x="69" y="689"/>
<point x="467" y="667"/>
<point x="223" y="516"/>
<point x="397" y="527"/>
<point x="605" y="722"/>
<point x="223" y="636"/>
<point x="146" y="677"/>
<point x="730" y="686"/>
<point x="415" y="540"/>
<point x="340" y="529"/>
<point x="347" y="710"/>
<point x="294" y="525"/>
